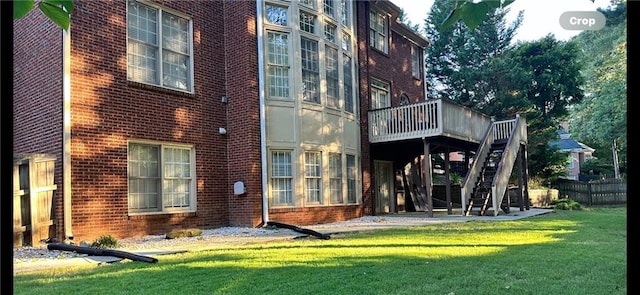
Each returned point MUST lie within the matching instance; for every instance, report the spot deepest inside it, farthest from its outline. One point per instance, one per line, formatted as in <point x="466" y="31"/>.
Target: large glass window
<point x="347" y="69"/>
<point x="313" y="177"/>
<point x="159" y="47"/>
<point x="331" y="64"/>
<point x="335" y="178"/>
<point x="378" y="31"/>
<point x="281" y="178"/>
<point x="329" y="8"/>
<point x="308" y="22"/>
<point x="278" y="64"/>
<point x="310" y="70"/>
<point x="351" y="179"/>
<point x="160" y="178"/>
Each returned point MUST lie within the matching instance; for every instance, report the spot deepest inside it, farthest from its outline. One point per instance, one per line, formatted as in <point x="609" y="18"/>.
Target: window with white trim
<point x="378" y="31"/>
<point x="159" y="47"/>
<point x="313" y="177"/>
<point x="278" y="65"/>
<point x="416" y="63"/>
<point x="329" y="8"/>
<point x="345" y="12"/>
<point x="330" y="32"/>
<point x="310" y="70"/>
<point x="347" y="69"/>
<point x="331" y="66"/>
<point x="281" y="178"/>
<point x="380" y="94"/>
<point x="161" y="178"/>
<point x="335" y="178"/>
<point x="307" y="22"/>
<point x="351" y="179"/>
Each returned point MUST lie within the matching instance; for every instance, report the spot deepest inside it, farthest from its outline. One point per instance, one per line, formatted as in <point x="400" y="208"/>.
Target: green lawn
<point x="564" y="252"/>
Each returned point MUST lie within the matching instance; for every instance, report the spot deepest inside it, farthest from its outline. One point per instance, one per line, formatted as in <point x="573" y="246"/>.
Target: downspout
<point x="66" y="132"/>
<point x="263" y="132"/>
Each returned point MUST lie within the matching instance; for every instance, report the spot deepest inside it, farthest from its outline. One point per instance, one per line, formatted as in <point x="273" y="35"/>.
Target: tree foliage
<point x="480" y="69"/>
<point x="600" y="120"/>
<point x="58" y="11"/>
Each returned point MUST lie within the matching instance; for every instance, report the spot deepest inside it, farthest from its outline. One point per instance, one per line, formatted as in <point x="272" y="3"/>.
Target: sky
<point x="541" y="17"/>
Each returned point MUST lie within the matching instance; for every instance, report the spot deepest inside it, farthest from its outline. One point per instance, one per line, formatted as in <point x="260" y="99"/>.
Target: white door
<point x="384" y="201"/>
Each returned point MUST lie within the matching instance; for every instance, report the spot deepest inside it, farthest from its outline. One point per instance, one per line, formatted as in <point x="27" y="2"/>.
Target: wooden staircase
<point x="482" y="192"/>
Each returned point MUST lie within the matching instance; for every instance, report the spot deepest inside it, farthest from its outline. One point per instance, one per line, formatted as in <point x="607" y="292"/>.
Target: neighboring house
<point x="577" y="152"/>
<point x="178" y="114"/>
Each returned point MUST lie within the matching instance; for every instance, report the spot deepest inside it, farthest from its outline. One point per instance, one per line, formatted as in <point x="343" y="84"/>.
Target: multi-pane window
<point x="378" y="31"/>
<point x="159" y="47"/>
<point x="415" y="61"/>
<point x="276" y="15"/>
<point x="329" y="8"/>
<point x="278" y="64"/>
<point x="310" y="3"/>
<point x="307" y="22"/>
<point x="313" y="177"/>
<point x="351" y="179"/>
<point x="348" y="84"/>
<point x="335" y="178"/>
<point x="310" y="70"/>
<point x="281" y="178"/>
<point x="380" y="94"/>
<point x="330" y="32"/>
<point x="345" y="12"/>
<point x="346" y="42"/>
<point x="331" y="65"/>
<point x="161" y="178"/>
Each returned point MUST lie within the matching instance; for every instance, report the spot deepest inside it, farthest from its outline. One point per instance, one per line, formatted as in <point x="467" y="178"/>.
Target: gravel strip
<point x="222" y="235"/>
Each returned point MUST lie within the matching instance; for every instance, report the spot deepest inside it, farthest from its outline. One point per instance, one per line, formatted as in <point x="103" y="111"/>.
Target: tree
<point x="59" y="11"/>
<point x="604" y="53"/>
<point x="458" y="58"/>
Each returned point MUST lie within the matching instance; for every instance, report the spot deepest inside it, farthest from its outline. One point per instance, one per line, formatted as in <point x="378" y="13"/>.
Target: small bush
<point x="566" y="204"/>
<point x="105" y="241"/>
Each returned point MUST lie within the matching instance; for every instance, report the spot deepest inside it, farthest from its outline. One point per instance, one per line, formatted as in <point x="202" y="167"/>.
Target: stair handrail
<point x="517" y="135"/>
<point x="476" y="166"/>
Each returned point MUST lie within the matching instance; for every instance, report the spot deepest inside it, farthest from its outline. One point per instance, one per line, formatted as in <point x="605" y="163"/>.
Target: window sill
<point x="159" y="89"/>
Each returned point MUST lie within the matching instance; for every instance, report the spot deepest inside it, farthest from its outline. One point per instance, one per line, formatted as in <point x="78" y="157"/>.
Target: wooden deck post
<point x="427" y="178"/>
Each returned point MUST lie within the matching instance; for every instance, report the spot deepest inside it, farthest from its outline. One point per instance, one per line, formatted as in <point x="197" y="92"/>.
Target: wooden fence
<point x="33" y="190"/>
<point x="598" y="192"/>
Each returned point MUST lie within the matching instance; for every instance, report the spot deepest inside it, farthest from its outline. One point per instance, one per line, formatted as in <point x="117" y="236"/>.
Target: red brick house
<point x="179" y="114"/>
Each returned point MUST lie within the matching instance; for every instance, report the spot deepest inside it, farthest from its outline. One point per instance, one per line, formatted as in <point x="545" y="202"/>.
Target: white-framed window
<point x="308" y="22"/>
<point x="310" y="70"/>
<point x="347" y="69"/>
<point x="346" y="42"/>
<point x="330" y="32"/>
<point x="276" y="15"/>
<point x="281" y="189"/>
<point x="331" y="66"/>
<point x="309" y="3"/>
<point x="278" y="64"/>
<point x="378" y="29"/>
<point x="161" y="178"/>
<point x="416" y="61"/>
<point x="159" y="47"/>
<point x="345" y="12"/>
<point x="335" y="178"/>
<point x="570" y="162"/>
<point x="313" y="177"/>
<point x="380" y="94"/>
<point x="351" y="179"/>
<point x="329" y="8"/>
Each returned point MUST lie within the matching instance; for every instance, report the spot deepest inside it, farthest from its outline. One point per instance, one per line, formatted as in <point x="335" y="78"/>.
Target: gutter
<point x="66" y="133"/>
<point x="263" y="132"/>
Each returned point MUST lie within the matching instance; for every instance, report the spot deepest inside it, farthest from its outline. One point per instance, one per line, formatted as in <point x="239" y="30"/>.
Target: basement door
<point x="384" y="201"/>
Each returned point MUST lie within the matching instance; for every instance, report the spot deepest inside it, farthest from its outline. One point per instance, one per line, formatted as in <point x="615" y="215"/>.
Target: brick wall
<point x="243" y="112"/>
<point x="107" y="111"/>
<point x="37" y="93"/>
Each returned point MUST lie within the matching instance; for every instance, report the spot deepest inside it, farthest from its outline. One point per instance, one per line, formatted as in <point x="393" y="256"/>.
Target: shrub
<point x="105" y="241"/>
<point x="566" y="204"/>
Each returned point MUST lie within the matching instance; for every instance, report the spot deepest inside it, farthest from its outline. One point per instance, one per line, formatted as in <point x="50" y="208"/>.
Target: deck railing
<point x="427" y="118"/>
